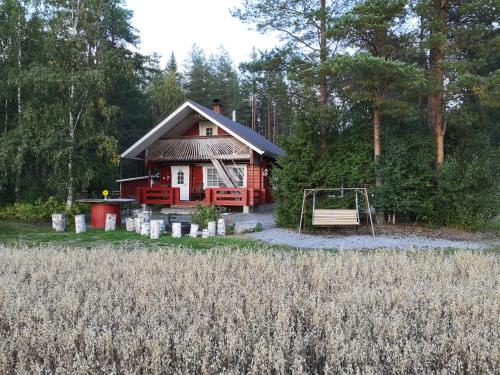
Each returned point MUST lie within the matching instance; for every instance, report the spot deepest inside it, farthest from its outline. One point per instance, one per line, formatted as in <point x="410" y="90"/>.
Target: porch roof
<point x="201" y="148"/>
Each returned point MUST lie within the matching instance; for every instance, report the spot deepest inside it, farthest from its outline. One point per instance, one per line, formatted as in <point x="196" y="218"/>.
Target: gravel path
<point x="294" y="239"/>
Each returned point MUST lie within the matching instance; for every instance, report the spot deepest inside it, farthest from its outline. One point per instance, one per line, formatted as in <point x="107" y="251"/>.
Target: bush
<point x="38" y="211"/>
<point x="204" y="214"/>
<point x="467" y="194"/>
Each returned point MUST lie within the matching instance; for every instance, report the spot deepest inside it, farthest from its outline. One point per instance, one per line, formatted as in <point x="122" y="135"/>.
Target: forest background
<point x="402" y="96"/>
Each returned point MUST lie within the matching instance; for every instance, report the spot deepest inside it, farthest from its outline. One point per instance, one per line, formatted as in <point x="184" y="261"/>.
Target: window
<point x="208" y="129"/>
<point x="237" y="174"/>
<point x="180" y="178"/>
<point x="213" y="178"/>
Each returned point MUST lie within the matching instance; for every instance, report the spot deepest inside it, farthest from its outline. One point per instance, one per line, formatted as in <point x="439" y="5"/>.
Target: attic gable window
<point x="208" y="129"/>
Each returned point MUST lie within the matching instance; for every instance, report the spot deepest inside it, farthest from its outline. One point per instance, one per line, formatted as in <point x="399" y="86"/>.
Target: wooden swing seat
<point x="329" y="217"/>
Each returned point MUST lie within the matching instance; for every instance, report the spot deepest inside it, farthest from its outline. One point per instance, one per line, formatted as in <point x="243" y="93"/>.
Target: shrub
<point x="467" y="194"/>
<point x="39" y="211"/>
<point x="204" y="214"/>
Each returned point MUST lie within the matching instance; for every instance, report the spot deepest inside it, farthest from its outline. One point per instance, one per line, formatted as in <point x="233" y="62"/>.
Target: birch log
<point x="59" y="222"/>
<point x="110" y="222"/>
<point x="211" y="228"/>
<point x="80" y="226"/>
<point x="145" y="229"/>
<point x="155" y="231"/>
<point x="176" y="230"/>
<point x="130" y="224"/>
<point x="221" y="227"/>
<point x="194" y="230"/>
<point x="138" y="225"/>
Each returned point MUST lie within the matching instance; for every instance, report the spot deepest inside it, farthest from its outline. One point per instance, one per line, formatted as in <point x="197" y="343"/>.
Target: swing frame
<point x="363" y="191"/>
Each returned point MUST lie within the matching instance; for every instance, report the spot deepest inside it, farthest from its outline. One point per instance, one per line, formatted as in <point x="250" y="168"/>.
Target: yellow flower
<point x="105" y="193"/>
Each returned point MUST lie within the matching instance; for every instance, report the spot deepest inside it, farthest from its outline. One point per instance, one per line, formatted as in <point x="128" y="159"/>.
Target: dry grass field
<point x="108" y="311"/>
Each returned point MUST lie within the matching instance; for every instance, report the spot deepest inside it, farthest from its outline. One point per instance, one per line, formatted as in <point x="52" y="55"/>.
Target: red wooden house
<point x="200" y="156"/>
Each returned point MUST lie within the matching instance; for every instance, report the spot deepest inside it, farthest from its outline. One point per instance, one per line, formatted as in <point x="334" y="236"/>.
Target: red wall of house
<point x="128" y="189"/>
<point x="165" y="175"/>
<point x="194" y="131"/>
<point x="196" y="178"/>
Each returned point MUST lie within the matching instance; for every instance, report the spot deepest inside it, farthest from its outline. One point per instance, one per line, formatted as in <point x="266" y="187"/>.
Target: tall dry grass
<point x="70" y="311"/>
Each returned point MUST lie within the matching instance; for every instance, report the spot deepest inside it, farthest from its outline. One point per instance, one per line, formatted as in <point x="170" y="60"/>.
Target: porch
<point x="222" y="196"/>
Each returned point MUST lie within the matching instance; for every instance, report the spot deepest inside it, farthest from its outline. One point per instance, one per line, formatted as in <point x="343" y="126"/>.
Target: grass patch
<point x="34" y="234"/>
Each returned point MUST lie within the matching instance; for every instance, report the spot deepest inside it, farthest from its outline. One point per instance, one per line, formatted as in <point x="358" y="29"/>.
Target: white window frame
<point x="205" y="179"/>
<point x="207" y="124"/>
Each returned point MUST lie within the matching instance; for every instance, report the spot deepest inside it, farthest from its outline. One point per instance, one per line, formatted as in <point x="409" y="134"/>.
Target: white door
<point x="180" y="179"/>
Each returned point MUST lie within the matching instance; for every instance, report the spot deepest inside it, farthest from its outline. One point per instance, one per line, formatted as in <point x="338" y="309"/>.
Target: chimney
<point x="217" y="106"/>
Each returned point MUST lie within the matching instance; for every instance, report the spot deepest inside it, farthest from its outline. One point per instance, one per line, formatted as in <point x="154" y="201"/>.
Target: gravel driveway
<point x="294" y="239"/>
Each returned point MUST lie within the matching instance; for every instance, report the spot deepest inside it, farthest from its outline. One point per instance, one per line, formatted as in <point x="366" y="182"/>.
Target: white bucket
<point x="193" y="232"/>
<point x="176" y="230"/>
<point x="221" y="227"/>
<point x="59" y="222"/>
<point x="110" y="223"/>
<point x="80" y="226"/>
<point x="155" y="229"/>
<point x="211" y="228"/>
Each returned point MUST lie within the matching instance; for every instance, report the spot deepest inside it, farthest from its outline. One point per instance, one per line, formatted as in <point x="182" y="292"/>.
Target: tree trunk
<point x="71" y="133"/>
<point x="323" y="83"/>
<point x="19" y="64"/>
<point x="377" y="148"/>
<point x="377" y="128"/>
<point x="269" y="117"/>
<point x="6" y="118"/>
<point x="436" y="62"/>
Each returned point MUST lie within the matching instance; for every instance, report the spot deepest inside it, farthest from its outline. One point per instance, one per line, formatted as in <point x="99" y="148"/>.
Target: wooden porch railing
<point x="232" y="196"/>
<point x="213" y="196"/>
<point x="158" y="195"/>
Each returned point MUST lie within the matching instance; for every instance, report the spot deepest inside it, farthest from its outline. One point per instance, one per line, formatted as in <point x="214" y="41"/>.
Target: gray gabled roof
<point x="257" y="142"/>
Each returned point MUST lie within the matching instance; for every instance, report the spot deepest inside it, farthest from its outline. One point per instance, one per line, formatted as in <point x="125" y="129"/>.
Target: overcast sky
<point x="165" y="26"/>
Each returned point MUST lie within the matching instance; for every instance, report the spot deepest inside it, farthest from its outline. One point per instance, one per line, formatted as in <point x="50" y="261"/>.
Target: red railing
<point x="213" y="196"/>
<point x="232" y="196"/>
<point x="158" y="195"/>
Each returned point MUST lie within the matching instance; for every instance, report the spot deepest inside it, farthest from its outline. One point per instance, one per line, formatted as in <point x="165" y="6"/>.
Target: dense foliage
<point x="400" y="96"/>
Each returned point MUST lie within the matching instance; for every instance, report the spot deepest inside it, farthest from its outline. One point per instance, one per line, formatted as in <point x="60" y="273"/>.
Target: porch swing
<point x="336" y="217"/>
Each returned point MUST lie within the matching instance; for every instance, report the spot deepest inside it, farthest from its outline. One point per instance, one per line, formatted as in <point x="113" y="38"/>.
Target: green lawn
<point x="34" y="234"/>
